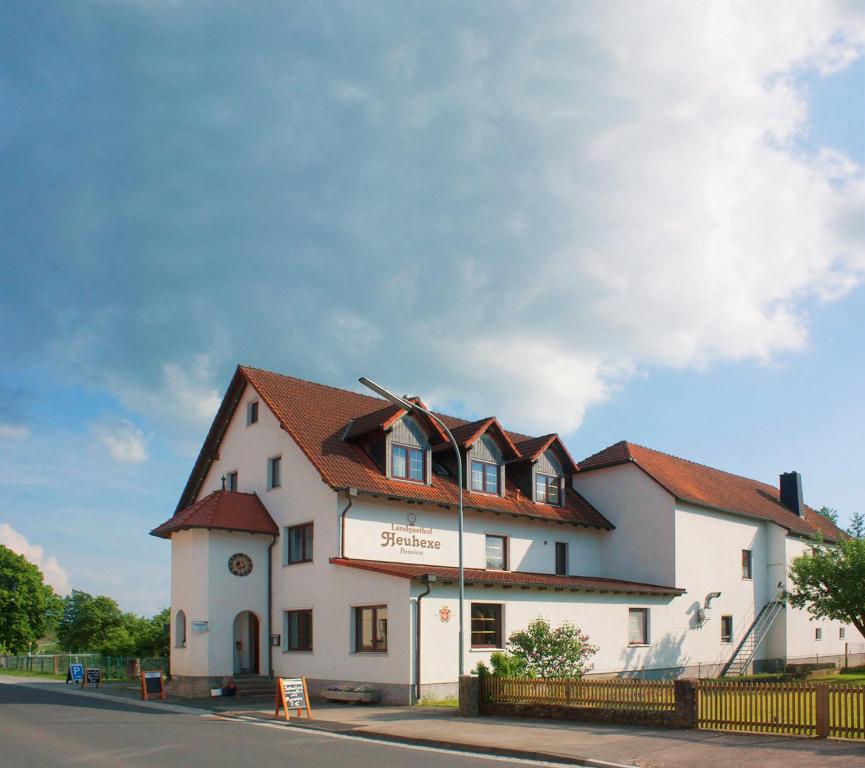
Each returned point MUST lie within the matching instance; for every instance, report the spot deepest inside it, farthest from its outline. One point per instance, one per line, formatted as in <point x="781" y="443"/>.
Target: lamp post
<point x="410" y="407"/>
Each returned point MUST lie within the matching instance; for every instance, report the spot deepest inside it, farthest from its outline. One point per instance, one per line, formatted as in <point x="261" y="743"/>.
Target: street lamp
<point x="409" y="406"/>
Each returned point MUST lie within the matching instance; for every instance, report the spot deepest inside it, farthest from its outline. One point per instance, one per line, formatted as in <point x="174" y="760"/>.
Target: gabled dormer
<point x="485" y="449"/>
<point x="544" y="469"/>
<point x="400" y="443"/>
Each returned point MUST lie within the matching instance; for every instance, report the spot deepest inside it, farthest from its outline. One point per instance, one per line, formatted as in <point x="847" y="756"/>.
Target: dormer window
<point x="485" y="477"/>
<point x="407" y="463"/>
<point x="548" y="488"/>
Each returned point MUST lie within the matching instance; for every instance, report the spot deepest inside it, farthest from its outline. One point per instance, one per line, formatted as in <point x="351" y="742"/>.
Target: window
<point x="638" y="626"/>
<point x="561" y="558"/>
<point x="299" y="544"/>
<point x="497" y="553"/>
<point x="251" y="413"/>
<point x="298" y="630"/>
<point x="370" y="628"/>
<point x="180" y="630"/>
<point x="407" y="463"/>
<point x="842" y="633"/>
<point x="726" y="629"/>
<point x="547" y="488"/>
<point x="485" y="477"/>
<point x="746" y="563"/>
<point x="231" y="481"/>
<point x="486" y="625"/>
<point x="273" y="467"/>
<point x="818" y="633"/>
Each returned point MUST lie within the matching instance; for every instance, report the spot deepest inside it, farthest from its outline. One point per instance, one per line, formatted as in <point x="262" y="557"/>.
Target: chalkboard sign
<point x="75" y="673"/>
<point x="151" y="685"/>
<point x="291" y="693"/>
<point x="92" y="676"/>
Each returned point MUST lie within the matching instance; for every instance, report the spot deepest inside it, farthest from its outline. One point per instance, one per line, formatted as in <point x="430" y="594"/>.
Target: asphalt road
<point x="43" y="728"/>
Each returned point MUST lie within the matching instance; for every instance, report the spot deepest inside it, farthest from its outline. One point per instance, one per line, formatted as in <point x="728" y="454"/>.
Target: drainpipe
<point x="270" y="605"/>
<point x="428" y="579"/>
<point x="352" y="492"/>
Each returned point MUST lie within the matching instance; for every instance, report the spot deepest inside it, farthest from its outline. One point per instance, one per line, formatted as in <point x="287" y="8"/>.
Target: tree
<point x="545" y="652"/>
<point x="26" y="602"/>
<point x="857" y="526"/>
<point x="87" y="621"/>
<point x="830" y="513"/>
<point x="828" y="581"/>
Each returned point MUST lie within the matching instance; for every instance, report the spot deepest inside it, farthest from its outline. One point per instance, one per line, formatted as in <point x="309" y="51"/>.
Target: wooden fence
<point x="613" y="693"/>
<point x="791" y="709"/>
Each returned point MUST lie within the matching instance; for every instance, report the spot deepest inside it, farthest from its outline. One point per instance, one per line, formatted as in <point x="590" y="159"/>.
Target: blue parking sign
<point x="75" y="673"/>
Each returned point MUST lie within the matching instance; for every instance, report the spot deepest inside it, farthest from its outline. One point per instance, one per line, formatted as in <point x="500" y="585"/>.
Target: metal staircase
<point x="747" y="648"/>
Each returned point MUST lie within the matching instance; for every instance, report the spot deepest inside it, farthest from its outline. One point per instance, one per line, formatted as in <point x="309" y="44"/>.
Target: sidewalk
<point x="575" y="743"/>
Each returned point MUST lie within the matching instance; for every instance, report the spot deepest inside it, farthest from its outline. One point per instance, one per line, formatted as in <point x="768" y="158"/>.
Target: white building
<point x="318" y="532"/>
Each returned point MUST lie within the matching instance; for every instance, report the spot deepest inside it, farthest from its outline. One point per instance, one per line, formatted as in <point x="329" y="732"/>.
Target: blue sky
<point x="610" y="220"/>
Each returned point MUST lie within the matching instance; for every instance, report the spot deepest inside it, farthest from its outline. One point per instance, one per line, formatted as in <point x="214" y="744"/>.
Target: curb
<point x="444" y="744"/>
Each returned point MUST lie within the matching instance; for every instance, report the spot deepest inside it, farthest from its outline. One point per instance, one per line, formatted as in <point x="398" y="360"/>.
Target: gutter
<point x="428" y="579"/>
<point x="352" y="492"/>
<point x="270" y="605"/>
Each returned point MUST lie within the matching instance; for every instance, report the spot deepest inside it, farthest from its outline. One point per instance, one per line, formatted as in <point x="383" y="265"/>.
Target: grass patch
<point x="452" y="703"/>
<point x="26" y="673"/>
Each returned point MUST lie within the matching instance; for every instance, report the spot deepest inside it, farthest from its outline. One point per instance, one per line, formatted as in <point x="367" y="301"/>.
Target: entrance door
<point x="246" y="638"/>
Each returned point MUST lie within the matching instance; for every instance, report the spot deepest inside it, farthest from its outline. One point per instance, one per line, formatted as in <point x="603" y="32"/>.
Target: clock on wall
<point x="240" y="564"/>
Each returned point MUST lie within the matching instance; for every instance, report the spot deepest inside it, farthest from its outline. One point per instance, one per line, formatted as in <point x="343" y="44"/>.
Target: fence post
<point x="685" y="694"/>
<point x="470" y="696"/>
<point x="822" y="711"/>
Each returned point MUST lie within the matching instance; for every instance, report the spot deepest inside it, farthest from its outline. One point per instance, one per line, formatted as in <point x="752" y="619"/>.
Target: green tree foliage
<point x="830" y="513"/>
<point x="27" y="604"/>
<point x="828" y="581"/>
<point x="541" y="651"/>
<point x="857" y="526"/>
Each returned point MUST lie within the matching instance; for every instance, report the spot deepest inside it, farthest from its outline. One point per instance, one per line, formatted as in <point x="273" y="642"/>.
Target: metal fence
<point x="113" y="667"/>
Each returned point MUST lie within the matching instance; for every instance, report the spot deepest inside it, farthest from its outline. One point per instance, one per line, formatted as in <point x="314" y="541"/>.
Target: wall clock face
<point x="240" y="564"/>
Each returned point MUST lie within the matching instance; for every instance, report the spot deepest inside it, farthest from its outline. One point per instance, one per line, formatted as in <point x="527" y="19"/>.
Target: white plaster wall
<point x="189" y="574"/>
<point x="531" y="544"/>
<point x="229" y="595"/>
<point x="801" y="641"/>
<point x="642" y="547"/>
<point x="709" y="559"/>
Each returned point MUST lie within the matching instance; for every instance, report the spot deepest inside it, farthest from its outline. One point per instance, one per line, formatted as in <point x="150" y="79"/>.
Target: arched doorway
<point x="246" y="642"/>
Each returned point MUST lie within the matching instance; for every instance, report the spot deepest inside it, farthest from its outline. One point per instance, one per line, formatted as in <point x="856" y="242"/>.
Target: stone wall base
<point x="190" y="687"/>
<point x="389" y="693"/>
<point x="584" y="714"/>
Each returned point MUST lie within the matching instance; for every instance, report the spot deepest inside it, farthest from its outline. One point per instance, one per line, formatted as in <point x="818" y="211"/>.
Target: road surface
<point x="42" y="728"/>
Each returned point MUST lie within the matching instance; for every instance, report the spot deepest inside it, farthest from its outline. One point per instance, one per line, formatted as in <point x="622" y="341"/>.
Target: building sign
<point x="410" y="539"/>
<point x="444" y="614"/>
<point x="200" y="626"/>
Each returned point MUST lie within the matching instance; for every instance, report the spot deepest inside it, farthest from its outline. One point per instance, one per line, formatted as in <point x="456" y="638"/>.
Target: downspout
<point x="352" y="492"/>
<point x="270" y="606"/>
<point x="428" y="580"/>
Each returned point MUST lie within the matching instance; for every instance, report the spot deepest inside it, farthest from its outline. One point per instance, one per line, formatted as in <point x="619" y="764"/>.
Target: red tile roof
<point x="509" y="578"/>
<point x="468" y="434"/>
<point x="316" y="417"/>
<point x="705" y="486"/>
<point x="223" y="510"/>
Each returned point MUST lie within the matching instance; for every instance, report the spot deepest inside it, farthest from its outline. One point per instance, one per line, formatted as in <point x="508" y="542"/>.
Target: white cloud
<point x="13" y="432"/>
<point x="124" y="441"/>
<point x="53" y="573"/>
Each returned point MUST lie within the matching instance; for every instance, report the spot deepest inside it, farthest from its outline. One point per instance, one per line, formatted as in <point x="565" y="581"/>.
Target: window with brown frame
<point x="638" y="626"/>
<point x="231" y="481"/>
<point x="726" y="629"/>
<point x="370" y="628"/>
<point x="298" y="630"/>
<point x="746" y="564"/>
<point x="407" y="463"/>
<point x="486" y="625"/>
<point x="299" y="540"/>
<point x="561" y="558"/>
<point x="548" y="488"/>
<point x="497" y="553"/>
<point x="485" y="477"/>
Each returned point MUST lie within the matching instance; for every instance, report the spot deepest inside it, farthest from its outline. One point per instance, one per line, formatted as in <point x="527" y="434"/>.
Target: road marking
<point x="371" y="739"/>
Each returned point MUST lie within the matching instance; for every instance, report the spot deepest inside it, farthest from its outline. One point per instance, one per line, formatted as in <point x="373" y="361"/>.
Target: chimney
<point x="791" y="492"/>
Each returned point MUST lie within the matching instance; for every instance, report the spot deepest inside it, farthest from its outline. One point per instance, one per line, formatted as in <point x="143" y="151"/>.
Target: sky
<point x="611" y="220"/>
